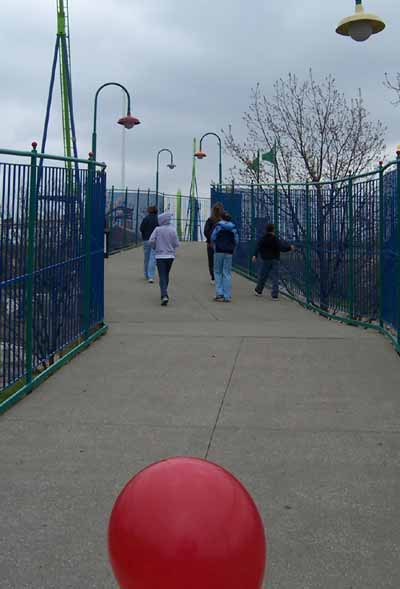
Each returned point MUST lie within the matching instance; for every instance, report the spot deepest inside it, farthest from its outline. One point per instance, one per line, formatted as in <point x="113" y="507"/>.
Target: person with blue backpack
<point x="224" y="238"/>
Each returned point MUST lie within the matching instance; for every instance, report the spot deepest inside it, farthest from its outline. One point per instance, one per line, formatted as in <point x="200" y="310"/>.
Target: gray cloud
<point x="190" y="67"/>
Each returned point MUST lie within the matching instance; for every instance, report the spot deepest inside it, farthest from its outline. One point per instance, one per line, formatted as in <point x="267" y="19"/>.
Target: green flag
<point x="255" y="164"/>
<point x="269" y="156"/>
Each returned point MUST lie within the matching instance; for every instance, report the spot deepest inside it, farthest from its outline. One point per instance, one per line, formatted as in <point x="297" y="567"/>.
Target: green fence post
<point x="124" y="238"/>
<point x="110" y="235"/>
<point x="276" y="207"/>
<point x="30" y="264"/>
<point x="308" y="244"/>
<point x="381" y="242"/>
<point x="88" y="239"/>
<point x="252" y="229"/>
<point x="137" y="217"/>
<point x="351" y="248"/>
<point x="398" y="247"/>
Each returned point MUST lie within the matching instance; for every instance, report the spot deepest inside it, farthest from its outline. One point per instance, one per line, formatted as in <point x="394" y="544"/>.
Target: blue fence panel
<point x="14" y="185"/>
<point x="53" y="319"/>
<point x="346" y="261"/>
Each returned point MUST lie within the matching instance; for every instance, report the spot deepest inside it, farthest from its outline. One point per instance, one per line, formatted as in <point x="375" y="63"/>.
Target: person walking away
<point x="224" y="238"/>
<point x="269" y="248"/>
<point x="216" y="215"/>
<point x="164" y="240"/>
<point x="147" y="226"/>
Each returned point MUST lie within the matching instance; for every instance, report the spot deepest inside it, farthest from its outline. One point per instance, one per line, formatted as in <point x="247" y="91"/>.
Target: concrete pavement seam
<point x="224" y="397"/>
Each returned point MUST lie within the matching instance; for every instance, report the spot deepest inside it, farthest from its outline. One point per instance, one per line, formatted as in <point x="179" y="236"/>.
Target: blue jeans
<point x="223" y="275"/>
<point x="149" y="261"/>
<point x="164" y="267"/>
<point x="269" y="267"/>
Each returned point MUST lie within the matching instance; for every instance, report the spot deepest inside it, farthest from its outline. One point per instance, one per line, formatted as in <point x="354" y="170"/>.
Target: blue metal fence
<point x="51" y="266"/>
<point x="347" y="238"/>
<point x="127" y="208"/>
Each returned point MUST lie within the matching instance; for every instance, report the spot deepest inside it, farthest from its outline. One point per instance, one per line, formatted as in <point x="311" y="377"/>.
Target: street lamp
<point x="201" y="154"/>
<point x="171" y="166"/>
<point x="361" y="25"/>
<point x="128" y="121"/>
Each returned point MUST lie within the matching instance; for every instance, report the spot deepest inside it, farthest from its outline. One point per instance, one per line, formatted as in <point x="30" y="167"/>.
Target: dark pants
<point x="210" y="254"/>
<point x="164" y="268"/>
<point x="269" y="267"/>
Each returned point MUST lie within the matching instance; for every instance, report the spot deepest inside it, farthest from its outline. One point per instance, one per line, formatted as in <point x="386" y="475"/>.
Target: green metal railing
<point x="52" y="265"/>
<point x="347" y="238"/>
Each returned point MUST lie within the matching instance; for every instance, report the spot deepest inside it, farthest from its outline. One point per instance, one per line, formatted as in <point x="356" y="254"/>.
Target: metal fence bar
<point x="30" y="265"/>
<point x="351" y="248"/>
<point x="398" y="244"/>
<point x="381" y="245"/>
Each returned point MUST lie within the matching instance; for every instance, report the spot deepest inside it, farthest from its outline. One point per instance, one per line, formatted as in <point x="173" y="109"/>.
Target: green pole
<point x="351" y="248"/>
<point x="124" y="238"/>
<point x="94" y="133"/>
<point x="111" y="219"/>
<point x="308" y="244"/>
<point x="137" y="216"/>
<point x="398" y="249"/>
<point x="88" y="231"/>
<point x="253" y="229"/>
<point x="30" y="264"/>
<point x="276" y="196"/>
<point x="381" y="242"/>
<point x="179" y="214"/>
<point x="219" y="153"/>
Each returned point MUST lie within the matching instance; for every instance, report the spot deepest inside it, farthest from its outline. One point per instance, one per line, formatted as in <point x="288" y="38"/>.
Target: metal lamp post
<point x="201" y="154"/>
<point x="128" y="121"/>
<point x="361" y="25"/>
<point x="171" y="166"/>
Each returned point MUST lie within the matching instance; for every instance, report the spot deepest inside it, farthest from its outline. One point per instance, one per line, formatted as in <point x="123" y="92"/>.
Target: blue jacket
<point x="225" y="237"/>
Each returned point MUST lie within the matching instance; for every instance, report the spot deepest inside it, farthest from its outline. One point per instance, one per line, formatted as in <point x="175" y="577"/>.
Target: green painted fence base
<point x="346" y="320"/>
<point x="37" y="380"/>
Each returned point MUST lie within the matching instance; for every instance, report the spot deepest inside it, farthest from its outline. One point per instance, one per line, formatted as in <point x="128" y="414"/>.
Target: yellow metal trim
<point x="376" y="23"/>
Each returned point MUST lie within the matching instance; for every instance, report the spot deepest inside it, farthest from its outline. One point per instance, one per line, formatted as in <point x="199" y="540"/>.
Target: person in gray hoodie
<point x="164" y="240"/>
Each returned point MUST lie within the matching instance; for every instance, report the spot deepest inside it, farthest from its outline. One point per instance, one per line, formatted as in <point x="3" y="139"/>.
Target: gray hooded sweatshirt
<point x="164" y="238"/>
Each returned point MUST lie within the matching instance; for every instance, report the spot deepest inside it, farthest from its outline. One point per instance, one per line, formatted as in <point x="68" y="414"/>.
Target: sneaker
<point x="151" y="281"/>
<point x="257" y="293"/>
<point x="219" y="299"/>
<point x="212" y="281"/>
<point x="275" y="298"/>
<point x="227" y="300"/>
<point x="164" y="301"/>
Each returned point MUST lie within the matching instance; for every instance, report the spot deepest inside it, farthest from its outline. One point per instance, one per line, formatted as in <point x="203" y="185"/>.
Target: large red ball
<point x="186" y="523"/>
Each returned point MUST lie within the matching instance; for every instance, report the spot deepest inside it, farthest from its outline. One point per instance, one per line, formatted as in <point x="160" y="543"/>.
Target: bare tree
<point x="320" y="135"/>
<point x="394" y="86"/>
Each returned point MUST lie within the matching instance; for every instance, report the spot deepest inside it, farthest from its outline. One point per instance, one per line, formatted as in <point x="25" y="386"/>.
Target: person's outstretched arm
<point x="284" y="246"/>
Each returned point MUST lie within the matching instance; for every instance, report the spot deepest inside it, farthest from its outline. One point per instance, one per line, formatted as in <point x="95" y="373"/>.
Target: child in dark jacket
<point x="269" y="248"/>
<point x="224" y="239"/>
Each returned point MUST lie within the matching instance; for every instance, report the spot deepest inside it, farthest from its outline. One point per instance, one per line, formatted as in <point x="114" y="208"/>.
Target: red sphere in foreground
<point x="186" y="523"/>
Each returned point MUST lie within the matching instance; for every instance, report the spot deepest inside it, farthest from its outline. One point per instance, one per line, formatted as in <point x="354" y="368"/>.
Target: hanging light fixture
<point x="361" y="25"/>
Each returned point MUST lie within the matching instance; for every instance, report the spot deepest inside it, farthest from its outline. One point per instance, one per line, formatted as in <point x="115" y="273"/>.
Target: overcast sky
<point x="189" y="66"/>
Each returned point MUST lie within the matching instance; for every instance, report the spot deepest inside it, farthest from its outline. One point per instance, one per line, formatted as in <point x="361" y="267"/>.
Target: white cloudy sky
<point x="189" y="65"/>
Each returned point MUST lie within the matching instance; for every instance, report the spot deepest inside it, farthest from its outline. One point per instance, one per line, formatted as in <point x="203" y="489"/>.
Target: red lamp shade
<point x="129" y="121"/>
<point x="200" y="155"/>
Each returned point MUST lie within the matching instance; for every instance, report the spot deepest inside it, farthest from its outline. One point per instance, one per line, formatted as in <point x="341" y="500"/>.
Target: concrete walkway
<point x="304" y="411"/>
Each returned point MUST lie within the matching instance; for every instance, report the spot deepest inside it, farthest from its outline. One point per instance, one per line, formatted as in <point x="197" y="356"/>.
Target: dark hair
<point x="270" y="228"/>
<point x="152" y="210"/>
<point x="226" y="216"/>
<point x="217" y="212"/>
